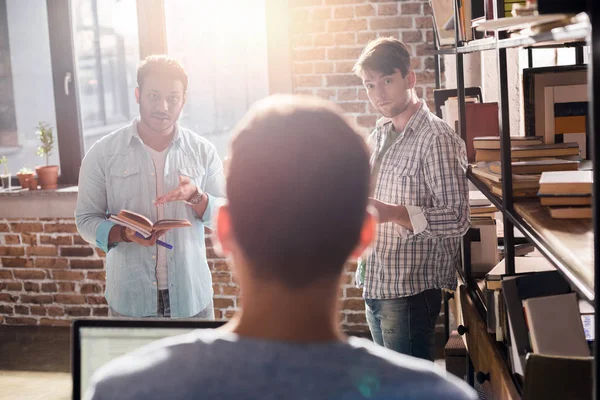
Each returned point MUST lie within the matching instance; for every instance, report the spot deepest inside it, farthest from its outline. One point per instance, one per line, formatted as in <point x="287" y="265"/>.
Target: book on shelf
<point x="443" y="21"/>
<point x="483" y="209"/>
<point x="555" y="325"/>
<point x="565" y="200"/>
<point x="536" y="166"/>
<point x="493" y="143"/>
<point x="523" y="265"/>
<point x="478" y="199"/>
<point x="571" y="212"/>
<point x="517" y="193"/>
<point x="515" y="289"/>
<point x="481" y="120"/>
<point x="143" y="224"/>
<point x="566" y="183"/>
<point x="484" y="170"/>
<point x="534" y="151"/>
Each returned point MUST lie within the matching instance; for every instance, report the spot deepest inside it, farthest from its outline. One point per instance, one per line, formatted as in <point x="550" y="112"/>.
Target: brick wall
<point x="328" y="36"/>
<point x="49" y="275"/>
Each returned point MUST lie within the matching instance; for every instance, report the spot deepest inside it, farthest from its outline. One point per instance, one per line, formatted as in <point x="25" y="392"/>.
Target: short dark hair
<point x="384" y="55"/>
<point x="297" y="188"/>
<point x="166" y="66"/>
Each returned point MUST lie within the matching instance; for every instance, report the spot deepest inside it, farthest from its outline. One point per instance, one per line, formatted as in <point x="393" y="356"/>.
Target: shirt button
<point x="125" y="171"/>
<point x="152" y="174"/>
<point x="153" y="283"/>
<point x="153" y="257"/>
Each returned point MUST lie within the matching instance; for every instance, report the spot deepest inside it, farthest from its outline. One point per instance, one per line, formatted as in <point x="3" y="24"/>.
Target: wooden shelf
<point x="568" y="244"/>
<point x="569" y="36"/>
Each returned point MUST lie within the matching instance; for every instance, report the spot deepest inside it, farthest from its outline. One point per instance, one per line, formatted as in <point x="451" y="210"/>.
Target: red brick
<point x="412" y="36"/>
<point x="221" y="277"/>
<point x="38" y="310"/>
<point x="365" y="37"/>
<point x="303" y="68"/>
<point x="347" y="279"/>
<point x="87" y="264"/>
<point x="36" y="299"/>
<point x="419" y="91"/>
<point x="353" y="304"/>
<point x="346" y="94"/>
<point x="55" y="311"/>
<point x="49" y="287"/>
<point x="362" y="94"/>
<point x="8" y="298"/>
<point x="218" y="315"/>
<point x="415" y="63"/>
<point x="12" y="239"/>
<point x="343" y="12"/>
<point x="60" y="228"/>
<point x="429" y="63"/>
<point x="425" y="77"/>
<point x="429" y="36"/>
<point x="354" y="292"/>
<point x="51" y="263"/>
<point x="423" y="22"/>
<point x="220" y="265"/>
<point x="11" y="286"/>
<point x="223" y="303"/>
<point x="343" y="53"/>
<point x="309" y="80"/>
<point x="76" y="251"/>
<point x="342" y="39"/>
<point x="88" y="288"/>
<point x="29" y="238"/>
<point x="47" y="251"/>
<point x="344" y="67"/>
<point x="29" y="227"/>
<point x="387" y="9"/>
<point x="29" y="274"/>
<point x="355" y="329"/>
<point x="390" y="23"/>
<point x="216" y="289"/>
<point x="324" y="39"/>
<point x="6" y="309"/>
<point x="56" y="240"/>
<point x="368" y="121"/>
<point x="303" y="28"/>
<point x="78" y="311"/>
<point x="320" y="13"/>
<point x="229" y="314"/>
<point x="343" y="80"/>
<point x="328" y="94"/>
<point x="12" y="251"/>
<point x="304" y="3"/>
<point x="411" y="8"/>
<point x="230" y="290"/>
<point x="20" y="321"/>
<point x="346" y="25"/>
<point x="353" y="106"/>
<point x="5" y="274"/>
<point x="55" y="322"/>
<point x="31" y="286"/>
<point x="97" y="275"/>
<point x="358" y="318"/>
<point x="95" y="300"/>
<point x="79" y="240"/>
<point x="66" y="287"/>
<point x="307" y="55"/>
<point x="16" y="262"/>
<point x="69" y="299"/>
<point x="364" y="11"/>
<point x="323" y="67"/>
<point x="100" y="312"/>
<point x="4" y="227"/>
<point x="21" y="310"/>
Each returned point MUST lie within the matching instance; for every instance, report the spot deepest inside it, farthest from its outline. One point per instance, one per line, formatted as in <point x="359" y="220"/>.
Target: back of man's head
<point x="297" y="189"/>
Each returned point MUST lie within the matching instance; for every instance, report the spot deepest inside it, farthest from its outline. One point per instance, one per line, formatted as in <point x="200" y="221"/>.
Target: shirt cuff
<point x="102" y="234"/>
<point x="417" y="219"/>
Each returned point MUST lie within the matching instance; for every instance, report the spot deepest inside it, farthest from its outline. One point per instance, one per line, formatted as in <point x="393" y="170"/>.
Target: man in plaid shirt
<point x="420" y="190"/>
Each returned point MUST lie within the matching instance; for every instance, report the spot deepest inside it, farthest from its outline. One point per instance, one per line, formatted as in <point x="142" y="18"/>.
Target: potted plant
<point x="23" y="175"/>
<point x="48" y="174"/>
<point x="5" y="176"/>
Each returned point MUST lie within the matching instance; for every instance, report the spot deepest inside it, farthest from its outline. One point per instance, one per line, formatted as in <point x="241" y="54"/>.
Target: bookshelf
<point x="571" y="245"/>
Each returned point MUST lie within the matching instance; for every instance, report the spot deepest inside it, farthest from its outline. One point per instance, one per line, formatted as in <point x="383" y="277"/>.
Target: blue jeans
<point x="407" y="324"/>
<point x="164" y="308"/>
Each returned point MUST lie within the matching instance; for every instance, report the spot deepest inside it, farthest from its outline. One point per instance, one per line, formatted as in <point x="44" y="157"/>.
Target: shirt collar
<point x="134" y="134"/>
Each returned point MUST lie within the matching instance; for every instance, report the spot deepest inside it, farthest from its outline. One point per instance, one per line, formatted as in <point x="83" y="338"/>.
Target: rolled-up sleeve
<point x="214" y="188"/>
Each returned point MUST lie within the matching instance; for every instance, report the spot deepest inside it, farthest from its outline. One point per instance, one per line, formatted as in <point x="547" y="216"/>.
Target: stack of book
<point x="523" y="148"/>
<point x="481" y="207"/>
<point x="524" y="185"/>
<point x="568" y="194"/>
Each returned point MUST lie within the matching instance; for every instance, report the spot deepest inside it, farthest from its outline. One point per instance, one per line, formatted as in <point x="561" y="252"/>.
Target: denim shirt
<point x="118" y="173"/>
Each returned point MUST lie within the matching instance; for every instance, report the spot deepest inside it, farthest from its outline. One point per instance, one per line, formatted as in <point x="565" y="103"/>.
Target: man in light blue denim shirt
<point x="160" y="170"/>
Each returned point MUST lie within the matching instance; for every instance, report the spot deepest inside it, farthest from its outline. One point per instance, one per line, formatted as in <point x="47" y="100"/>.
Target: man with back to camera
<point x="159" y="169"/>
<point x="293" y="159"/>
<point x="421" y="193"/>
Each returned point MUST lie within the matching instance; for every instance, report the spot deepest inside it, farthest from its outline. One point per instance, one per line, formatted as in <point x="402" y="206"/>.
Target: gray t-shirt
<point x="212" y="364"/>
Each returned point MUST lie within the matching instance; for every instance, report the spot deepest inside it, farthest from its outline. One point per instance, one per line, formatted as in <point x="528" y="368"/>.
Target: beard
<point x="158" y="122"/>
<point x="394" y="110"/>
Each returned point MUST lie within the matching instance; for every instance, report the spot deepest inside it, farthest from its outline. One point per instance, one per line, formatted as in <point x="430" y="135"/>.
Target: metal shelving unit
<point x="576" y="36"/>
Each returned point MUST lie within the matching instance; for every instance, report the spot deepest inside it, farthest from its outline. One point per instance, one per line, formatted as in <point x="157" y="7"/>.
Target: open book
<point x="143" y="225"/>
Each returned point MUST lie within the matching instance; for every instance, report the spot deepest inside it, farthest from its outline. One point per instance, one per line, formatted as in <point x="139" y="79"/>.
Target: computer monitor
<point x="98" y="341"/>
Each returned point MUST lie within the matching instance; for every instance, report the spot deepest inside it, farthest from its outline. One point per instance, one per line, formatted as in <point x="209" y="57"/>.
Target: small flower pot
<point x="32" y="183"/>
<point x="23" y="179"/>
<point x="47" y="176"/>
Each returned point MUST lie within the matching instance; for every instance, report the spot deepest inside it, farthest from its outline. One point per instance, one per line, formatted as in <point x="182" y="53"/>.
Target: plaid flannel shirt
<point x="424" y="169"/>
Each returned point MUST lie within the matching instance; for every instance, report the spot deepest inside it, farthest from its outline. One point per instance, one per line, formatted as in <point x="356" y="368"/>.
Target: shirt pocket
<point x="196" y="174"/>
<point x="407" y="182"/>
<point x="125" y="184"/>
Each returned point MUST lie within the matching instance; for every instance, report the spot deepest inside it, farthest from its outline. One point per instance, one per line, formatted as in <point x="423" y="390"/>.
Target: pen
<point x="158" y="242"/>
